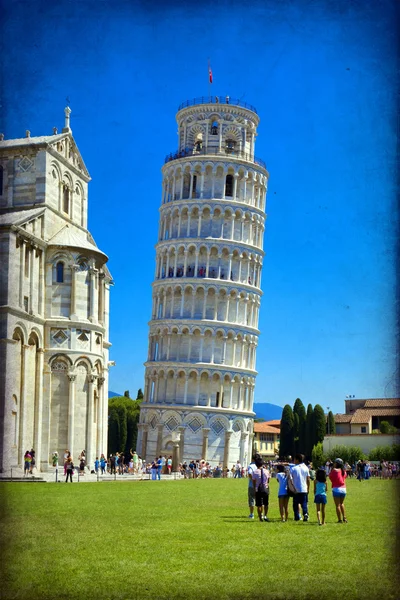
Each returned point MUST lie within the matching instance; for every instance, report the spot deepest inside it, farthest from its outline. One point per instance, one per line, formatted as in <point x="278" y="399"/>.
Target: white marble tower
<point x="201" y="367"/>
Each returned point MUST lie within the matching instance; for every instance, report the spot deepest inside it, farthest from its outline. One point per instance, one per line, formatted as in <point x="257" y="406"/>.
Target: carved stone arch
<point x="232" y="132"/>
<point x="172" y="414"/>
<point x="212" y="288"/>
<point x="153" y="418"/>
<point x="84" y="360"/>
<point x="20" y="332"/>
<point x="54" y="166"/>
<point x="222" y="418"/>
<point x="208" y="329"/>
<point x="60" y="357"/>
<point x="67" y="179"/>
<point x="188" y="418"/>
<point x="219" y="330"/>
<point x="35" y="338"/>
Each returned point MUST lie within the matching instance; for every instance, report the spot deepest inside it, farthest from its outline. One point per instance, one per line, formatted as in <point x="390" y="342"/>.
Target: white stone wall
<point x="54" y="344"/>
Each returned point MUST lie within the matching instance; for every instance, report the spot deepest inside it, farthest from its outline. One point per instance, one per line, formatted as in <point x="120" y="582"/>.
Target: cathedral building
<point x="54" y="304"/>
<point x="201" y="367"/>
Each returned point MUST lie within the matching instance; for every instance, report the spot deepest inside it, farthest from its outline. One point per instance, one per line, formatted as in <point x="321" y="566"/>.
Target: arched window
<point x="229" y="185"/>
<point x="230" y="146"/>
<point x="60" y="272"/>
<point x="214" y="128"/>
<point x="1" y="180"/>
<point x="66" y="199"/>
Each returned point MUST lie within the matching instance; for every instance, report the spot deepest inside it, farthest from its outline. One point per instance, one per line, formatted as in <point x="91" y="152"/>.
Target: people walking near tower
<point x="251" y="492"/>
<point x="261" y="477"/>
<point x="283" y="496"/>
<point x="320" y="488"/>
<point x="27" y="462"/>
<point x="238" y="470"/>
<point x="301" y="480"/>
<point x="69" y="469"/>
<point x="338" y="479"/>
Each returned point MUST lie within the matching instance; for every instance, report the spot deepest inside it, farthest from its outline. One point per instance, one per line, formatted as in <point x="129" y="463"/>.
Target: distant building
<point x="266" y="438"/>
<point x="365" y="416"/>
<point x="359" y="426"/>
<point x="54" y="290"/>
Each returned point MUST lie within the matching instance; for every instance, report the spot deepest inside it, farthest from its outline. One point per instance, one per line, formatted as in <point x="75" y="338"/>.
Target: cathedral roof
<point x="71" y="238"/>
<point x="21" y="216"/>
<point x="32" y="141"/>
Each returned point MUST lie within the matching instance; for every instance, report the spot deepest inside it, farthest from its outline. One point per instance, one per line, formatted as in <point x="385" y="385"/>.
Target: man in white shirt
<point x="301" y="480"/>
<point x="251" y="493"/>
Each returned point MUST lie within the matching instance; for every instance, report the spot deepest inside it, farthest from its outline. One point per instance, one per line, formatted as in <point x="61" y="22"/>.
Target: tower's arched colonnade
<point x="201" y="366"/>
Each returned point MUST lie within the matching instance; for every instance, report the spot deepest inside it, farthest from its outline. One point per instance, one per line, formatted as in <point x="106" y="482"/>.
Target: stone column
<point x="37" y="443"/>
<point x="71" y="412"/>
<point x="73" y="316"/>
<point x="32" y="253"/>
<point x="41" y="284"/>
<point x="204" y="450"/>
<point x="228" y="435"/>
<point x="101" y="297"/>
<point x="100" y="417"/>
<point x="243" y="448"/>
<point x="235" y="180"/>
<point x="175" y="457"/>
<point x="22" y="245"/>
<point x="89" y="443"/>
<point x="160" y="428"/>
<point x="181" y="442"/>
<point x="144" y="441"/>
<point x="92" y="293"/>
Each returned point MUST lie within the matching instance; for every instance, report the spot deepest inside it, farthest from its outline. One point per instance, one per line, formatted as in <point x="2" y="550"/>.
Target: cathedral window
<point x="26" y="303"/>
<point x="194" y="186"/>
<point x="230" y="146"/>
<point x="229" y="185"/>
<point x="60" y="272"/>
<point x="66" y="199"/>
<point x="1" y="180"/>
<point x="214" y="128"/>
<point x="27" y="254"/>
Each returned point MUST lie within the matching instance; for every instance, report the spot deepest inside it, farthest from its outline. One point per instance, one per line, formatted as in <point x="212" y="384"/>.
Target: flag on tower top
<point x="209" y="74"/>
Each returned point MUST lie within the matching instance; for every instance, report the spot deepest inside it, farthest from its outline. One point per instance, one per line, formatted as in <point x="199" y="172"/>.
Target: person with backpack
<point x="261" y="477"/>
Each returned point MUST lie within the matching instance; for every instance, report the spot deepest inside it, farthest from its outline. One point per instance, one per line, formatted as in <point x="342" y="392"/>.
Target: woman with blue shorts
<point x="338" y="479"/>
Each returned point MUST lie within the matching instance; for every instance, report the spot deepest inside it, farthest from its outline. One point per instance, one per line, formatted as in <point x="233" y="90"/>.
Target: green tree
<point x="330" y="424"/>
<point x="385" y="453"/>
<point x="125" y="436"/>
<point x="113" y="430"/>
<point x="350" y="454"/>
<point x="386" y="427"/>
<point x="286" y="446"/>
<point x="126" y="394"/>
<point x="139" y="395"/>
<point x="309" y="428"/>
<point x="319" y="424"/>
<point x="300" y="434"/>
<point x="318" y="456"/>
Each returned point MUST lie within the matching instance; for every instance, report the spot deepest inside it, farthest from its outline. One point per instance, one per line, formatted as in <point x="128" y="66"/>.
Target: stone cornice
<point x="212" y="202"/>
<point x="22" y="314"/>
<point x="195" y="323"/>
<point x="209" y="242"/>
<point x="28" y="237"/>
<point x="76" y="324"/>
<point x="215" y="158"/>
<point x="210" y="282"/>
<point x="188" y="408"/>
<point x="67" y="163"/>
<point x="186" y="366"/>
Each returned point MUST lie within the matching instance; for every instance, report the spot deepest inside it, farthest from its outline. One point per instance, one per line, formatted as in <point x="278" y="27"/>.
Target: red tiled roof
<point x="382" y="403"/>
<point x="274" y="423"/>
<point x="265" y="428"/>
<point x="339" y="418"/>
<point x="363" y="415"/>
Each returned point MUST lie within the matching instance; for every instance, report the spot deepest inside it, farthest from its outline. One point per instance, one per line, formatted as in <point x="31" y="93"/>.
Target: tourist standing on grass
<point x="251" y="492"/>
<point x="69" y="469"/>
<point x="338" y="479"/>
<point x="283" y="496"/>
<point x="301" y="480"/>
<point x="238" y="470"/>
<point x="320" y="489"/>
<point x="27" y="462"/>
<point x="261" y="477"/>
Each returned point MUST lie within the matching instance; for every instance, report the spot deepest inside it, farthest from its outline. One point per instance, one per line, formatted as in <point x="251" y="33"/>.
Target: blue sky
<point x="323" y="77"/>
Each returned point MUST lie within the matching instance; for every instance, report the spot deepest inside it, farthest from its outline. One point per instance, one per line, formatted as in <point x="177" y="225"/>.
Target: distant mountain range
<point x="267" y="411"/>
<point x="112" y="394"/>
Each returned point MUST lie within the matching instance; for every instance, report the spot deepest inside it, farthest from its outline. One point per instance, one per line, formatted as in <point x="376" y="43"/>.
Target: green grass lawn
<point x="191" y="539"/>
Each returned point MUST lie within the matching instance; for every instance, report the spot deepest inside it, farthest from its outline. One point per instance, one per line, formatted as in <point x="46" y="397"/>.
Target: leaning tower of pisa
<point x="201" y="366"/>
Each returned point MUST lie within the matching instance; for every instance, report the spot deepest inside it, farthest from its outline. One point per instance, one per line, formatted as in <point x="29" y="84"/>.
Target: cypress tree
<point x="309" y="429"/>
<point x="330" y="424"/>
<point x="286" y="446"/>
<point x="319" y="424"/>
<point x="113" y="430"/>
<point x="296" y="427"/>
<point x="299" y="410"/>
<point x="139" y="395"/>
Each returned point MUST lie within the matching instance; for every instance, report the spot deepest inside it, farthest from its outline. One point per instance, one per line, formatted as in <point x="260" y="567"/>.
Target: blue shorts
<point x="283" y="496"/>
<point x="337" y="494"/>
<point x="320" y="499"/>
